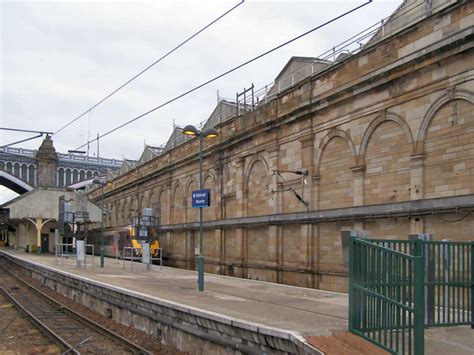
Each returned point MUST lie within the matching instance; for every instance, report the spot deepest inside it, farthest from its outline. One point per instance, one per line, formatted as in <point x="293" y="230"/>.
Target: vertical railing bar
<point x="463" y="283"/>
<point x="418" y="330"/>
<point x="383" y="315"/>
<point x="458" y="283"/>
<point x="377" y="289"/>
<point x="411" y="306"/>
<point x="445" y="248"/>
<point x="352" y="249"/>
<point x="380" y="291"/>
<point x="390" y="295"/>
<point x="463" y="273"/>
<point x="404" y="262"/>
<point x="438" y="282"/>
<point x="372" y="288"/>
<point x="472" y="284"/>
<point x="451" y="288"/>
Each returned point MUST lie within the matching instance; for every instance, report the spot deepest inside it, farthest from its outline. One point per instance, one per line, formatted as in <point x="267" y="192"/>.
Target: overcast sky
<point x="59" y="58"/>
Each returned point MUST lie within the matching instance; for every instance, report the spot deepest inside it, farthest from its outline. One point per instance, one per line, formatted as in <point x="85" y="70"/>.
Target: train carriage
<point x="115" y="239"/>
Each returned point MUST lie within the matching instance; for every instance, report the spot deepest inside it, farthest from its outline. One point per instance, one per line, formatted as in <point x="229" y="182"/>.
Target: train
<point x="115" y="239"/>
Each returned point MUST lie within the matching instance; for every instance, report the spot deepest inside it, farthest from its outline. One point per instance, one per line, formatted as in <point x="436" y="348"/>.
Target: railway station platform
<point x="240" y="314"/>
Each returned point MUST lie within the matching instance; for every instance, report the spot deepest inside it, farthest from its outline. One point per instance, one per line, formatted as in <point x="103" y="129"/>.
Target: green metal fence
<point x="386" y="298"/>
<point x="448" y="279"/>
<point x="398" y="287"/>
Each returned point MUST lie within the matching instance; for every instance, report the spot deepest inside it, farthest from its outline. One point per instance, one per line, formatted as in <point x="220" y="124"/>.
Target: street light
<point x="190" y="130"/>
<point x="102" y="182"/>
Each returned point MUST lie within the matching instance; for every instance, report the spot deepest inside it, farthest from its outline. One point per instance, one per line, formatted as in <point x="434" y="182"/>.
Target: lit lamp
<point x="190" y="130"/>
<point x="102" y="182"/>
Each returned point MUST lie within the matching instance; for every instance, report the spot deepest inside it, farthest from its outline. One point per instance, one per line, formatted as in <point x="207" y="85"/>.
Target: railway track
<point x="74" y="333"/>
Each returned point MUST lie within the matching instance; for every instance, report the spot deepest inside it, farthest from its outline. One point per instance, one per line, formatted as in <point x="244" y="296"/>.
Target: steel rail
<point x="48" y="331"/>
<point x="98" y="327"/>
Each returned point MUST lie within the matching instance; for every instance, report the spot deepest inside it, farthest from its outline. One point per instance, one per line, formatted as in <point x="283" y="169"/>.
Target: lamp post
<point x="102" y="182"/>
<point x="208" y="133"/>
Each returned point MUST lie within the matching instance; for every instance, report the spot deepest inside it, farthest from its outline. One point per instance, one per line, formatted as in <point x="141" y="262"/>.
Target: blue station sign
<point x="201" y="198"/>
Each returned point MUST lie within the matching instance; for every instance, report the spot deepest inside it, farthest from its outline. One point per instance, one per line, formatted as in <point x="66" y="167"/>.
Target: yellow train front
<point x="117" y="239"/>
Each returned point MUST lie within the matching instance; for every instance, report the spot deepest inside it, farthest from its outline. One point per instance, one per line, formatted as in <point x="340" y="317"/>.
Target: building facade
<point x="381" y="140"/>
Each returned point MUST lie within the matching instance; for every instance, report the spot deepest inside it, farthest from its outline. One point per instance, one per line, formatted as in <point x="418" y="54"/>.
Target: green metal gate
<point x="398" y="287"/>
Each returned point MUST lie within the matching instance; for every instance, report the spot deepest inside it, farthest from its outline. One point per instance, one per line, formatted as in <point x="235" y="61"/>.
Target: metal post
<point x="102" y="227"/>
<point x="419" y="307"/>
<point x="351" y="284"/>
<point x="200" y="257"/>
<point x="472" y="285"/>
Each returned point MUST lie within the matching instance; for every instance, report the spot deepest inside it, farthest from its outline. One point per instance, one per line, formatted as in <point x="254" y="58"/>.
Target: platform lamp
<point x="190" y="130"/>
<point x="102" y="182"/>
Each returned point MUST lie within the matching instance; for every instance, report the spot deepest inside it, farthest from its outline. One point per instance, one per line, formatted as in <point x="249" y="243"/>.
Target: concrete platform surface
<point x="309" y="312"/>
<point x="295" y="309"/>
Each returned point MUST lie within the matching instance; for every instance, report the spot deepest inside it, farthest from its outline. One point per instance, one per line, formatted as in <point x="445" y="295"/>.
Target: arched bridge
<point x="18" y="168"/>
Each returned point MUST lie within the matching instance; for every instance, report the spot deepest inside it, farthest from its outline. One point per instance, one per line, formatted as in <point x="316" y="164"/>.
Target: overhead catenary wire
<point x="148" y="67"/>
<point x="228" y="72"/>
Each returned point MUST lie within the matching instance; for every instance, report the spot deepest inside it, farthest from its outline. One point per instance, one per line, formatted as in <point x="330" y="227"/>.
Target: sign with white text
<point x="201" y="198"/>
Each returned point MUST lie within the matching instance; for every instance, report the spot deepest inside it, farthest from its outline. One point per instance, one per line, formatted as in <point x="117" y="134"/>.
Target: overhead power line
<point x="148" y="67"/>
<point x="227" y="72"/>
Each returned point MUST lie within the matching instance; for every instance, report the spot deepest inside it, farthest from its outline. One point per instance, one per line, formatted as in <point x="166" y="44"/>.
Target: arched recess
<point x="257" y="182"/>
<point x="24" y="172"/>
<point x="164" y="206"/>
<point x="121" y="212"/>
<point x="14" y="183"/>
<point x="61" y="177"/>
<point x="192" y="214"/>
<point x="386" y="117"/>
<point x="386" y="150"/>
<point x="448" y="146"/>
<point x="464" y="95"/>
<point x="32" y="174"/>
<point x="335" y="157"/>
<point x="209" y="182"/>
<point x="178" y="204"/>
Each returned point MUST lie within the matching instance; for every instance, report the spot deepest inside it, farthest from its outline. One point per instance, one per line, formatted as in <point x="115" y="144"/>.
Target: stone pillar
<point x="358" y="185"/>
<point x="417" y="224"/>
<point x="47" y="164"/>
<point x="416" y="177"/>
<point x="307" y="240"/>
<point x="241" y="233"/>
<point x="275" y="241"/>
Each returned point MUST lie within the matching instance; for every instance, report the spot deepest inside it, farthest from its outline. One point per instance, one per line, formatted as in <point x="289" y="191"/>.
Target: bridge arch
<point x="14" y="183"/>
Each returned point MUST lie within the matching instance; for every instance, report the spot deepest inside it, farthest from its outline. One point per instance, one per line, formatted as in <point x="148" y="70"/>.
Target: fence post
<point x="419" y="307"/>
<point x="351" y="283"/>
<point x="472" y="285"/>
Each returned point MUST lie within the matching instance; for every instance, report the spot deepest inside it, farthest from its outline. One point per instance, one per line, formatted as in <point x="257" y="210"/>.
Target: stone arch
<point x="163" y="213"/>
<point x="68" y="174"/>
<point x="75" y="176"/>
<point x="335" y="157"/>
<point x="448" y="150"/>
<point x="465" y="95"/>
<point x="32" y="174"/>
<point x="61" y="177"/>
<point x="255" y="159"/>
<point x="24" y="172"/>
<point x="178" y="203"/>
<point x="16" y="169"/>
<point x="191" y="213"/>
<point x="385" y="152"/>
<point x="334" y="133"/>
<point x="260" y="202"/>
<point x="208" y="182"/>
<point x="383" y="118"/>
